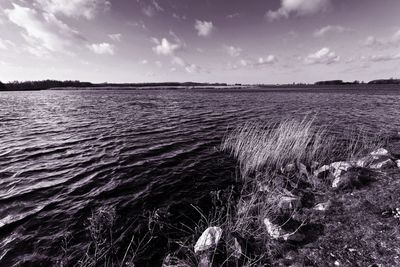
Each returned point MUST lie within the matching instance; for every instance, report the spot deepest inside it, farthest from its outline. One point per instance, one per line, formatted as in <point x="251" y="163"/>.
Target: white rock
<point x="387" y="163"/>
<point x="322" y="206"/>
<point x="340" y="167"/>
<point x="380" y="152"/>
<point x="288" y="203"/>
<point x="237" y="249"/>
<point x="273" y="230"/>
<point x="208" y="239"/>
<point x="398" y="163"/>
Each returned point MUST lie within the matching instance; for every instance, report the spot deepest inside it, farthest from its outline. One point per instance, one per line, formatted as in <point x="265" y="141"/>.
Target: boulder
<point x="398" y="163"/>
<point x="273" y="230"/>
<point x="380" y="152"/>
<point x="382" y="164"/>
<point x="340" y="167"/>
<point x="209" y="239"/>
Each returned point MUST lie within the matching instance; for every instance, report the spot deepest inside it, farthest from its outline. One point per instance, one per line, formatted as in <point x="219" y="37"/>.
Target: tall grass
<point x="269" y="147"/>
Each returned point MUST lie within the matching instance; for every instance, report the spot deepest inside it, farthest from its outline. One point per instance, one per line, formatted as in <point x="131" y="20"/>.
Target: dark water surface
<point x="64" y="154"/>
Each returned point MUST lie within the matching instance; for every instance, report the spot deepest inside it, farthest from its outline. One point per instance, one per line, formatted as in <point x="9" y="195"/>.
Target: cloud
<point x="322" y="56"/>
<point x="204" y="28"/>
<point x="254" y="63"/>
<point x="271" y="59"/>
<point x="157" y="6"/>
<point x="188" y="67"/>
<point x="391" y="41"/>
<point x="102" y="48"/>
<point x="179" y="17"/>
<point x="233" y="51"/>
<point x="75" y="8"/>
<point x="233" y="16"/>
<point x="298" y="8"/>
<point x="6" y="44"/>
<point x="144" y="62"/>
<point x="331" y="29"/>
<point x="192" y="68"/>
<point x="152" y="9"/>
<point x="43" y="31"/>
<point x="115" y="37"/>
<point x="165" y="47"/>
<point x="382" y="58"/>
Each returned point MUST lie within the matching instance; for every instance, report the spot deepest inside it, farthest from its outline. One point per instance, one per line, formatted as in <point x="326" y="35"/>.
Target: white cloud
<point x="233" y="16"/>
<point x="331" y="29"/>
<point x="178" y="61"/>
<point x="165" y="47"/>
<point x="233" y="51"/>
<point x="322" y="56"/>
<point x="253" y="63"/>
<point x="115" y="37"/>
<point x="157" y="6"/>
<point x="144" y="62"/>
<point x="75" y="8"/>
<point x="149" y="11"/>
<point x="192" y="68"/>
<point x="6" y="44"/>
<point x="270" y="59"/>
<point x="179" y="17"/>
<point x="392" y="41"/>
<point x="102" y="48"/>
<point x="298" y="8"/>
<point x="381" y="58"/>
<point x="43" y="31"/>
<point x="204" y="28"/>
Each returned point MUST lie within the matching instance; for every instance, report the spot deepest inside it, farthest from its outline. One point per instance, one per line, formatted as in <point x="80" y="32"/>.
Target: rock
<point x="288" y="203"/>
<point x="382" y="164"/>
<point x="322" y="172"/>
<point x="209" y="239"/>
<point x="323" y="206"/>
<point x="364" y="162"/>
<point x="398" y="163"/>
<point x="237" y="249"/>
<point x="273" y="230"/>
<point x="340" y="167"/>
<point x="380" y="152"/>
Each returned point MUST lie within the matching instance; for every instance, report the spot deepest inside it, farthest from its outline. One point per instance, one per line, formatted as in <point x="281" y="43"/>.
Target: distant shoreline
<point x="166" y="86"/>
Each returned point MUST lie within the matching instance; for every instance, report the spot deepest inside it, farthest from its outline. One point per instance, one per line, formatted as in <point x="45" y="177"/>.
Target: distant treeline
<point x="340" y="82"/>
<point x="48" y="84"/>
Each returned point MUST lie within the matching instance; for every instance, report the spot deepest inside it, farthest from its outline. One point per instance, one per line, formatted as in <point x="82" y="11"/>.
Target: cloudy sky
<point x="247" y="41"/>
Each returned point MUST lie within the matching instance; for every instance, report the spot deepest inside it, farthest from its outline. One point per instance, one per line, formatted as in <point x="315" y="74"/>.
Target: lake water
<point x="64" y="154"/>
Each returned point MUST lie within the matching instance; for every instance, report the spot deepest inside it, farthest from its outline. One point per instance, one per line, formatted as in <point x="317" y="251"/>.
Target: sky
<point x="232" y="41"/>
